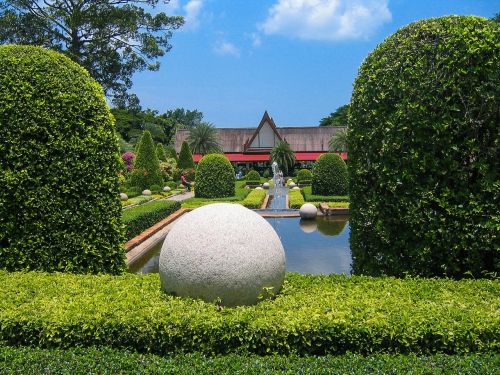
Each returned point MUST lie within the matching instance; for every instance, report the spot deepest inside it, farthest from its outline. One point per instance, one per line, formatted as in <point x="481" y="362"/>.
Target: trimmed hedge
<point x="304" y="175"/>
<point x="254" y="199"/>
<point x="329" y="175"/>
<point x="295" y="199"/>
<point x="253" y="183"/>
<point x="214" y="177"/>
<point x="253" y="175"/>
<point x="312" y="315"/>
<point x="424" y="151"/>
<point x="185" y="160"/>
<point x="147" y="165"/>
<point x="59" y="166"/>
<point x="111" y="361"/>
<point x="138" y="219"/>
<point x="309" y="197"/>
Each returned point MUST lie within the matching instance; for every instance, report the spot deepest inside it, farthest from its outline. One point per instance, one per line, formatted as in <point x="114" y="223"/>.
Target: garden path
<point x="181" y="197"/>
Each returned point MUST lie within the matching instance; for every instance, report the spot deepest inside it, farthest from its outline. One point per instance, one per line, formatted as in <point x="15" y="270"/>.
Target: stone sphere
<point x="265" y="185"/>
<point x="308" y="226"/>
<point x="258" y="188"/>
<point x="292" y="184"/>
<point x="146" y="192"/>
<point x="308" y="211"/>
<point x="222" y="251"/>
<point x="166" y="188"/>
<point x="295" y="188"/>
<point x="123" y="196"/>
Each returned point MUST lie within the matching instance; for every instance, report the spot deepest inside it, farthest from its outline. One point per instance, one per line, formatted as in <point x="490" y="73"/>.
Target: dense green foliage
<point x="310" y="197"/>
<point x="185" y="160"/>
<point x="338" y="141"/>
<point x="337" y="118"/>
<point x="283" y="154"/>
<point x="295" y="198"/>
<point x="160" y="152"/>
<point x="110" y="39"/>
<point x="146" y="165"/>
<point x="252" y="175"/>
<point x="312" y="315"/>
<point x="329" y="175"/>
<point x="254" y="199"/>
<point x="304" y="175"/>
<point x="424" y="151"/>
<point x="204" y="139"/>
<point x="112" y="361"/>
<point x="59" y="165"/>
<point x="138" y="219"/>
<point x="214" y="177"/>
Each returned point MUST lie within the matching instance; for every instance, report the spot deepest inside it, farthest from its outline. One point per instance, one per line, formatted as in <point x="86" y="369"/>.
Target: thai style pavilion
<point x="250" y="147"/>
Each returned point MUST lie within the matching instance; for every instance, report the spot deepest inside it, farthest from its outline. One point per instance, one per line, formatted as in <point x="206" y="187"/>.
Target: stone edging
<point x="140" y="238"/>
<point x="266" y="201"/>
<point x="327" y="211"/>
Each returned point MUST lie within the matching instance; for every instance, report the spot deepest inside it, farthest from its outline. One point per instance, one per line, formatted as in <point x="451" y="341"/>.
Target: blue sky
<point x="298" y="59"/>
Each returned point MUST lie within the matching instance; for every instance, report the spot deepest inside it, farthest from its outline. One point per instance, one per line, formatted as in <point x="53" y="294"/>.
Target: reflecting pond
<point x="318" y="246"/>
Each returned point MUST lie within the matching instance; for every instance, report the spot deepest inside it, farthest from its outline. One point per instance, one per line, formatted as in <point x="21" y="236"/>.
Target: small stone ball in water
<point x="166" y="188"/>
<point x="308" y="226"/>
<point x="308" y="211"/>
<point x="123" y="196"/>
<point x="146" y="192"/>
<point x="233" y="255"/>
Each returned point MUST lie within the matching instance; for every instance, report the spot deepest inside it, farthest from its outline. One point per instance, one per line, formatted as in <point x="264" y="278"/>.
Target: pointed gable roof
<point x="265" y="119"/>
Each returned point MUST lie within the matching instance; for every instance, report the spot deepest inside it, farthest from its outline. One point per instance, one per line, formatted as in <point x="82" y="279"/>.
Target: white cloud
<point x="256" y="40"/>
<point x="326" y="19"/>
<point x="224" y="48"/>
<point x="192" y="13"/>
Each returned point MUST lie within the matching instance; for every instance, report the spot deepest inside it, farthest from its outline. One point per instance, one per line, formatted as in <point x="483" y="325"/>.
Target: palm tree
<point x="203" y="138"/>
<point x="338" y="141"/>
<point x="283" y="155"/>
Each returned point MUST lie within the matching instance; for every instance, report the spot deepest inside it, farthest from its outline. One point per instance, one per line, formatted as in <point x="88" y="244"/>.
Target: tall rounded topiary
<point x="147" y="166"/>
<point x="185" y="160"/>
<point x="214" y="177"/>
<point x="424" y="151"/>
<point x="329" y="175"/>
<point x="59" y="165"/>
<point x="304" y="175"/>
<point x="253" y="175"/>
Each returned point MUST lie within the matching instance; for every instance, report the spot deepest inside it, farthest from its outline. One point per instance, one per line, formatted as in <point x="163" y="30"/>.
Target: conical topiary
<point x="147" y="166"/>
<point x="185" y="157"/>
<point x="160" y="152"/>
<point x="172" y="154"/>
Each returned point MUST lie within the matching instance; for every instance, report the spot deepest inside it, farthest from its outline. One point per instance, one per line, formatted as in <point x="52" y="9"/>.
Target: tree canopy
<point x="283" y="154"/>
<point x="112" y="39"/>
<point x="338" y="141"/>
<point x="337" y="118"/>
<point x="204" y="139"/>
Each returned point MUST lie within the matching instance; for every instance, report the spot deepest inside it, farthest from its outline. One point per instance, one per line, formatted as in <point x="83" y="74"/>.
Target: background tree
<point x="204" y="139"/>
<point x="338" y="141"/>
<point x="112" y="39"/>
<point x="337" y="118"/>
<point x="185" y="157"/>
<point x="146" y="166"/>
<point x="184" y="119"/>
<point x="283" y="154"/>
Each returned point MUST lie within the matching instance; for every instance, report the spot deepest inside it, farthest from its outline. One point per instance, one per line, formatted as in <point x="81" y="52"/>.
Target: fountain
<point x="278" y="201"/>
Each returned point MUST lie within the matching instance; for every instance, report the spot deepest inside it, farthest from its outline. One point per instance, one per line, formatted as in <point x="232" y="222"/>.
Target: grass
<point x="240" y="194"/>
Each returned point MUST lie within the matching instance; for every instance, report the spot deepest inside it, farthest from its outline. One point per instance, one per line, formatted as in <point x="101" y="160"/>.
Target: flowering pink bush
<point x="128" y="158"/>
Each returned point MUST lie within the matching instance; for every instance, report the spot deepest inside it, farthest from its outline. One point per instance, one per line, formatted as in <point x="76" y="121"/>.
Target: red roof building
<point x="248" y="146"/>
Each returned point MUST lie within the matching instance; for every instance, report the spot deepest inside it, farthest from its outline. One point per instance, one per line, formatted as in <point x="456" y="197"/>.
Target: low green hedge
<point x="295" y="199"/>
<point x="312" y="315"/>
<point x="254" y="199"/>
<point x="110" y="361"/>
<point x="253" y="182"/>
<point x="138" y="219"/>
<point x="309" y="197"/>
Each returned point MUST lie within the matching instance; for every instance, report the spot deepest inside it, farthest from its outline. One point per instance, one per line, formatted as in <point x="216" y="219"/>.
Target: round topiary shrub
<point x="329" y="175"/>
<point x="304" y="175"/>
<point x="59" y="165"/>
<point x="424" y="151"/>
<point x="214" y="177"/>
<point x="253" y="176"/>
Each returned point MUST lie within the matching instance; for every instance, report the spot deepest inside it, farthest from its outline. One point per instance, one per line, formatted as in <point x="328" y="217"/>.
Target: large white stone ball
<point x="146" y="192"/>
<point x="308" y="211"/>
<point x="222" y="251"/>
<point x="265" y="185"/>
<point x="123" y="196"/>
<point x="166" y="188"/>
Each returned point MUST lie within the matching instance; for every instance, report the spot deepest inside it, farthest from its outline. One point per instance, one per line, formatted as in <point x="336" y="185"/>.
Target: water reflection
<point x="318" y="246"/>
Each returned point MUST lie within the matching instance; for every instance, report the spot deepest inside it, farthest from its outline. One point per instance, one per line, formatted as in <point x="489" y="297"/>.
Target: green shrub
<point x="312" y="315"/>
<point x="156" y="188"/>
<point x="112" y="361"/>
<point x="304" y="175"/>
<point x="146" y="166"/>
<point x="214" y="177"/>
<point x="254" y="199"/>
<point x="59" y="165"/>
<point x="295" y="199"/>
<point x="329" y="175"/>
<point x="253" y="183"/>
<point x="138" y="219"/>
<point x="309" y="197"/>
<point x="252" y="176"/>
<point x="185" y="160"/>
<point x="160" y="152"/>
<point x="424" y="151"/>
